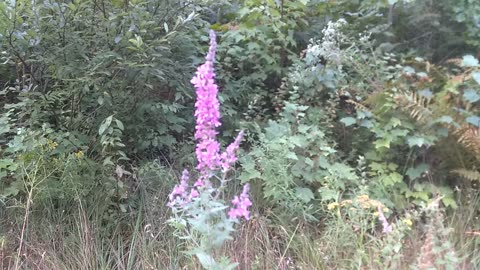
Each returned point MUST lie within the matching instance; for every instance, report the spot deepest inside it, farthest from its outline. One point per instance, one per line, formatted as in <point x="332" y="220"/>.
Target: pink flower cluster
<point x="181" y="193"/>
<point x="207" y="115"/>
<point x="241" y="205"/>
<point x="228" y="158"/>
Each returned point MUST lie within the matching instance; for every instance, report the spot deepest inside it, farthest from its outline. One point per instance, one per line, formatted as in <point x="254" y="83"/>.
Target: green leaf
<point x="119" y="124"/>
<point x="474" y="120"/>
<point x="304" y="194"/>
<point x="205" y="260"/>
<point x="416" y="172"/>
<point x="106" y="123"/>
<point x="382" y="143"/>
<point x="416" y="141"/>
<point x="108" y="161"/>
<point x="348" y="121"/>
<point x="426" y="93"/>
<point x="476" y="76"/>
<point x="445" y="119"/>
<point x="471" y="95"/>
<point x="409" y="70"/>
<point x="449" y="201"/>
<point x="392" y="179"/>
<point x="328" y="194"/>
<point x="291" y="155"/>
<point x="469" y="61"/>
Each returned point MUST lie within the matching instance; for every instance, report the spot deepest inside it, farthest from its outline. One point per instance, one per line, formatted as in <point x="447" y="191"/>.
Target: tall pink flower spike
<point x="207" y="115"/>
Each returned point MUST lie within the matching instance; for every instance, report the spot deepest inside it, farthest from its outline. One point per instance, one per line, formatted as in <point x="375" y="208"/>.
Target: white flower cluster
<point x="329" y="46"/>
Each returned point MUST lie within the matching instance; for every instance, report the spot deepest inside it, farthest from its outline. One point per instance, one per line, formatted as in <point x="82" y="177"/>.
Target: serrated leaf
<point x="327" y="194"/>
<point x="366" y="123"/>
<point x="469" y="61"/>
<point x="476" y="76"/>
<point x="298" y="140"/>
<point x="382" y="143"/>
<point x="416" y="141"/>
<point x="471" y="95"/>
<point x="416" y="172"/>
<point x="291" y="155"/>
<point x="474" y="120"/>
<point x="392" y="179"/>
<point x="304" y="194"/>
<point x="248" y="175"/>
<point x="449" y="201"/>
<point x="348" y="121"/>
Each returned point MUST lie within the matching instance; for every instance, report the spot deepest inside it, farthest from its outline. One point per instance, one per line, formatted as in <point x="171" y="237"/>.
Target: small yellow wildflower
<point x="79" y="154"/>
<point x="51" y="145"/>
<point x="408" y="222"/>
<point x="332" y="206"/>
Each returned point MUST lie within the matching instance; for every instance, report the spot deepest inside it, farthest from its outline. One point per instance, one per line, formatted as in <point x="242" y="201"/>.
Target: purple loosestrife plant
<point x="199" y="212"/>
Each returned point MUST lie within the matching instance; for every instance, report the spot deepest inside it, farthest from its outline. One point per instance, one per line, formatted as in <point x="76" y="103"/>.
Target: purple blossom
<point x="228" y="157"/>
<point x="207" y="113"/>
<point x="241" y="204"/>
<point x="201" y="182"/>
<point x="387" y="228"/>
<point x="180" y="191"/>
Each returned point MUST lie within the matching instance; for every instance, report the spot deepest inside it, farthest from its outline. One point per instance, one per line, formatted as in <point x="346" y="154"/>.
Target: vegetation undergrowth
<point x="350" y="132"/>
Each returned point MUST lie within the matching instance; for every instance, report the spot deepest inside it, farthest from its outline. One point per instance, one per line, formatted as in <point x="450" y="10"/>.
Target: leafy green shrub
<point x="296" y="165"/>
<point x="79" y="64"/>
<point x="254" y="54"/>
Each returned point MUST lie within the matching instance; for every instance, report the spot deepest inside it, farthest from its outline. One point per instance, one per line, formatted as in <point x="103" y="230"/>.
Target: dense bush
<point x="360" y="147"/>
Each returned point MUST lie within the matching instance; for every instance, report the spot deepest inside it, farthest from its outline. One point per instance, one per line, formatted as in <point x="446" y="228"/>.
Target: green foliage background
<point x="96" y="102"/>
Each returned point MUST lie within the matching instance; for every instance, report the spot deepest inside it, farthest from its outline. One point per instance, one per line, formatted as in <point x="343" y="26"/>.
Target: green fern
<point x="471" y="175"/>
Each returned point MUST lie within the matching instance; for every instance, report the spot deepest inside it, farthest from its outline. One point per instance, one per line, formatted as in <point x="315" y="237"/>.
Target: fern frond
<point x="416" y="105"/>
<point x="357" y="105"/>
<point x="469" y="137"/>
<point x="468" y="174"/>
